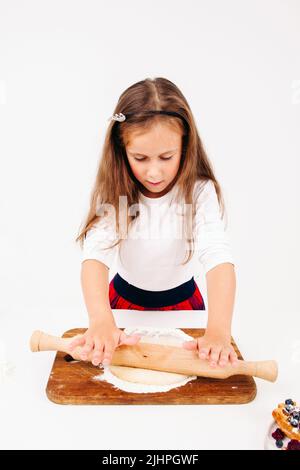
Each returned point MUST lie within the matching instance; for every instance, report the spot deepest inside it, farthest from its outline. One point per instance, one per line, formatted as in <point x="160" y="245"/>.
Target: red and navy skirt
<point x="123" y="295"/>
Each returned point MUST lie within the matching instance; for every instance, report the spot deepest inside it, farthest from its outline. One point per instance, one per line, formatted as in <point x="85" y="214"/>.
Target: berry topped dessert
<point x="286" y="429"/>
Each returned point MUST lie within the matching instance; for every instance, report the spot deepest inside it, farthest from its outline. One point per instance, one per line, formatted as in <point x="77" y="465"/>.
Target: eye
<point x="142" y="159"/>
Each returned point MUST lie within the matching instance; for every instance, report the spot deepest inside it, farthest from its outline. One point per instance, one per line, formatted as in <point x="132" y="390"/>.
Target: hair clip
<point x="117" y="117"/>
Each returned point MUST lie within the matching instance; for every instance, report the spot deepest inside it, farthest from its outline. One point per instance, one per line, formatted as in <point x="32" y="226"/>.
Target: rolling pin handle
<point x="35" y="340"/>
<point x="41" y="341"/>
<point x="267" y="370"/>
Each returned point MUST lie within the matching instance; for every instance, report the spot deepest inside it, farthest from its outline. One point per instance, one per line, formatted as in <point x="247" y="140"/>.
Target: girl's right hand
<point x="100" y="340"/>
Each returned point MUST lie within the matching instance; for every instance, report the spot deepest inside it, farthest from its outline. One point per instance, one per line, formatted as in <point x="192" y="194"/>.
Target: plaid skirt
<point x="123" y="295"/>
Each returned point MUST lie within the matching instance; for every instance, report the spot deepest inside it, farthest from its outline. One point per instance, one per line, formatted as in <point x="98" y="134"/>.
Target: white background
<point x="63" y="65"/>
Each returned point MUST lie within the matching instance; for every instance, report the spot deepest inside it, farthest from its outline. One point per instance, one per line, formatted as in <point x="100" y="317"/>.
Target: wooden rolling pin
<point x="160" y="357"/>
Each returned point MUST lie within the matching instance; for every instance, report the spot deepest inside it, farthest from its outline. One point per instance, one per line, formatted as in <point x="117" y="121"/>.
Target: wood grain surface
<point x="72" y="383"/>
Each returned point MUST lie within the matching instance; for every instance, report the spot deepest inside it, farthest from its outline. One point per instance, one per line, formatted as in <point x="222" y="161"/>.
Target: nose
<point x="154" y="174"/>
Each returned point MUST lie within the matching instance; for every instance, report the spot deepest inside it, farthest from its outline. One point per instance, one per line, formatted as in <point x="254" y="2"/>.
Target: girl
<point x="153" y="163"/>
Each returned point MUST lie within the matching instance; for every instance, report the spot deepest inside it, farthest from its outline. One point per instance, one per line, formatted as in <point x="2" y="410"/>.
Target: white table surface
<point x="30" y="421"/>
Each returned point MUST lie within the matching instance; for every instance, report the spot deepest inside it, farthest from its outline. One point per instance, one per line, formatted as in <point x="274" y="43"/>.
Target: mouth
<point x="154" y="184"/>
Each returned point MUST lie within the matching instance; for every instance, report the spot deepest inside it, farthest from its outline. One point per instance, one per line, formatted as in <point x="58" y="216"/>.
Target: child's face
<point x="154" y="156"/>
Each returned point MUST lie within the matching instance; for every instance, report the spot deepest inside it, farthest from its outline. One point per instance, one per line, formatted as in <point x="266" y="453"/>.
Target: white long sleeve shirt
<point x="150" y="257"/>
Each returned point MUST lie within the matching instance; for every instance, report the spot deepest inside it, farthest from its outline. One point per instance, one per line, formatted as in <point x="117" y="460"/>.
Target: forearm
<point x="95" y="287"/>
<point x="221" y="287"/>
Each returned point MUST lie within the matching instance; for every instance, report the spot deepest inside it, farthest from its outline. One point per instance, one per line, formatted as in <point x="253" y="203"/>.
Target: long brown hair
<point x="114" y="176"/>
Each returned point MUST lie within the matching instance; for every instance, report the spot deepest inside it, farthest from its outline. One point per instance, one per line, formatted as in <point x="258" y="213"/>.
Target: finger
<point x="77" y="342"/>
<point x="214" y="356"/>
<point x="190" y="345"/>
<point x="128" y="339"/>
<point x="89" y="344"/>
<point x="233" y="358"/>
<point x="97" y="353"/>
<point x="108" y="353"/>
<point x="224" y="356"/>
<point x="203" y="352"/>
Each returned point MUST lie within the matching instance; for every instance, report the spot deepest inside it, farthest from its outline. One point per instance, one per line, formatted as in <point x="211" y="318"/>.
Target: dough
<point x="133" y="379"/>
<point x="145" y="376"/>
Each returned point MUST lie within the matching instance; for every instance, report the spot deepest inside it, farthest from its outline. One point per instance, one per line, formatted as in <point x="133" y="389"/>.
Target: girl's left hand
<point x="216" y="348"/>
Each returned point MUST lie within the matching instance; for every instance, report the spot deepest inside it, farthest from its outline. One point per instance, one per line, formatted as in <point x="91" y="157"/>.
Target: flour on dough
<point x="133" y="379"/>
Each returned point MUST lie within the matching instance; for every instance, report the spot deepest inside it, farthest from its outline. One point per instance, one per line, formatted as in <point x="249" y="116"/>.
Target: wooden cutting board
<point x="72" y="383"/>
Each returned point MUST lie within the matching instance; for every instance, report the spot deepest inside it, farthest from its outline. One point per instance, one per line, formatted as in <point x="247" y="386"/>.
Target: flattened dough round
<point x="146" y="376"/>
<point x="134" y="379"/>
